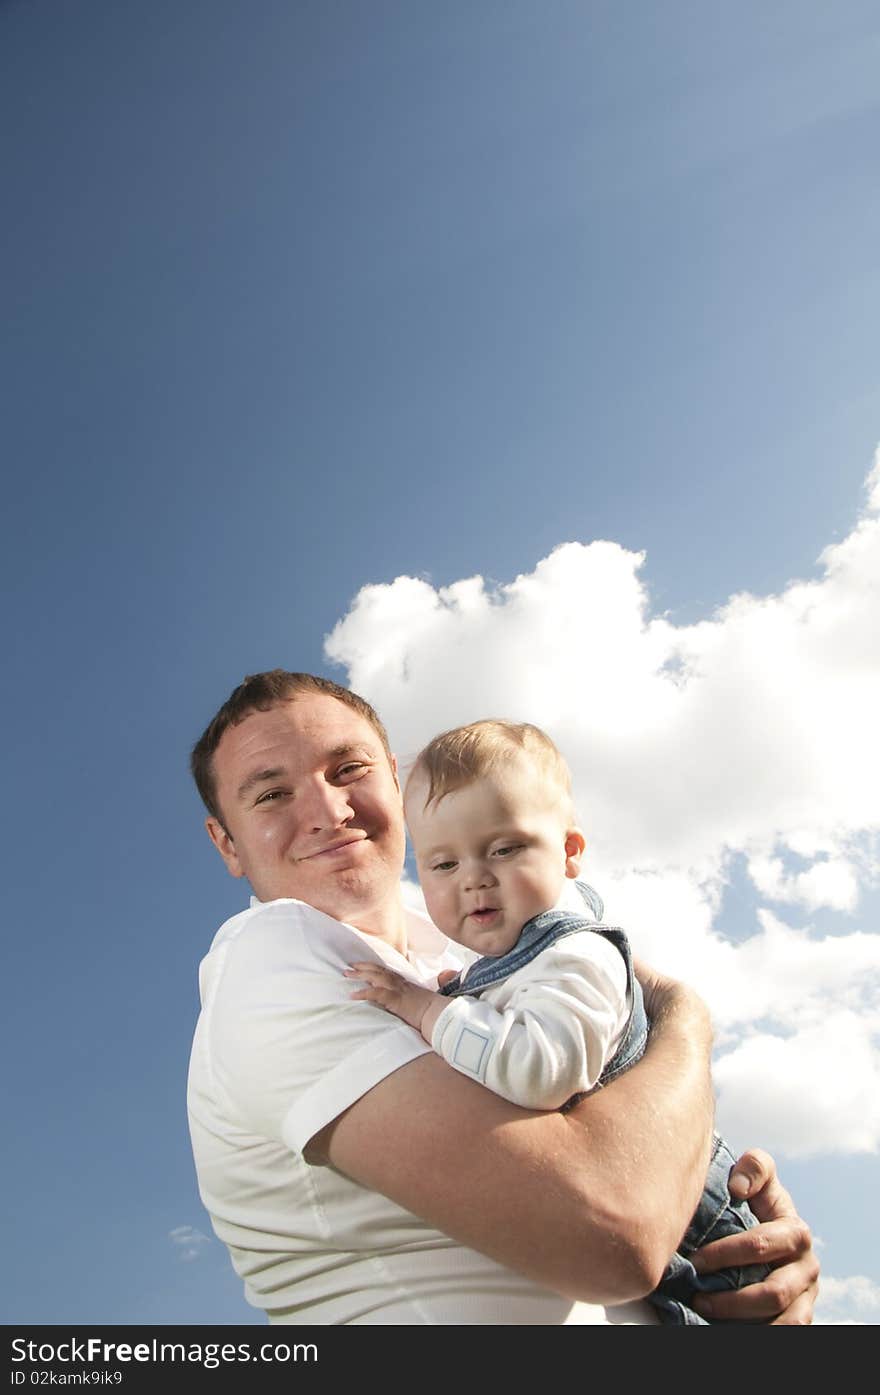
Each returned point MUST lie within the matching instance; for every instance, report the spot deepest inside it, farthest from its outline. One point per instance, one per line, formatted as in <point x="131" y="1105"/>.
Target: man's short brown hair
<point x="458" y="757"/>
<point x="258" y="693"/>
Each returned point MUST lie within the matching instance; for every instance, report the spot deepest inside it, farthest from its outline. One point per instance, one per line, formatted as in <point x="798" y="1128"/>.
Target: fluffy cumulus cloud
<point x="188" y="1242"/>
<point x="748" y="738"/>
<point x="847" y="1301"/>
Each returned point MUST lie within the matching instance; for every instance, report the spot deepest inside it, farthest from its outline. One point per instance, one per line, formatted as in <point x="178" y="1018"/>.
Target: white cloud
<point x="815" y="1091"/>
<point x="847" y="1301"/>
<point x="832" y="882"/>
<point x="188" y="1241"/>
<point x="872" y="485"/>
<point x="753" y="733"/>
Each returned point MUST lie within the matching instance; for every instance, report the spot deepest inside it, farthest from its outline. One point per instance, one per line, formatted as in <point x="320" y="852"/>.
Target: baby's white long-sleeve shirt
<point x="547" y="1031"/>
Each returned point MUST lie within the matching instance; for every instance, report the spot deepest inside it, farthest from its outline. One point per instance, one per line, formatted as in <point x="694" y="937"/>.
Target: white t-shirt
<point x="280" y="1050"/>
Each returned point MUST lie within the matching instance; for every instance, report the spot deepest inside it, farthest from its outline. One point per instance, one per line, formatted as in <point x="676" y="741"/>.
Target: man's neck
<point x="386" y="922"/>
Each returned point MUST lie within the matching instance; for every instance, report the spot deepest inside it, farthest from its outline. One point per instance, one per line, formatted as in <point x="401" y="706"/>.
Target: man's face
<point x="311" y="807"/>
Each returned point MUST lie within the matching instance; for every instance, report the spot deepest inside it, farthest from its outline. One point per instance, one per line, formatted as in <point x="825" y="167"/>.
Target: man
<point x="354" y="1176"/>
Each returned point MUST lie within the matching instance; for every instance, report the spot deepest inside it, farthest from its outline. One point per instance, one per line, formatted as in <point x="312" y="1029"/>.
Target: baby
<point x="552" y="1008"/>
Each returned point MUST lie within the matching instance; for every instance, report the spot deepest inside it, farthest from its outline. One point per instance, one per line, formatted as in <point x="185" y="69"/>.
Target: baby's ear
<point x="575" y="842"/>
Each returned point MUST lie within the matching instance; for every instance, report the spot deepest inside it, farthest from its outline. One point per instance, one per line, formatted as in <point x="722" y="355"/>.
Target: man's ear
<point x="575" y="842"/>
<point x="393" y="763"/>
<point x="224" y="845"/>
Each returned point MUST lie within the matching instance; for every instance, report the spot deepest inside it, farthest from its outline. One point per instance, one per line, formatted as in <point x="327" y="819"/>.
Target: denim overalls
<point x="717" y="1214"/>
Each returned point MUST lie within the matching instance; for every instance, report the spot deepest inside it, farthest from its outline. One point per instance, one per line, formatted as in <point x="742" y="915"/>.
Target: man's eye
<point x="350" y="768"/>
<point x="270" y="796"/>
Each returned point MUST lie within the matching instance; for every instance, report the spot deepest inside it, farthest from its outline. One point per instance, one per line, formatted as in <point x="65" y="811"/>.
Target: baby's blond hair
<point x="459" y="757"/>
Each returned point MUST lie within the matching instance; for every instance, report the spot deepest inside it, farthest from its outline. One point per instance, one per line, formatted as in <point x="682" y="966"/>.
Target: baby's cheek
<point x="437" y="905"/>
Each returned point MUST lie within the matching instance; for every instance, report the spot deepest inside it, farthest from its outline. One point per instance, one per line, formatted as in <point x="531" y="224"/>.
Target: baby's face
<point x="491" y="856"/>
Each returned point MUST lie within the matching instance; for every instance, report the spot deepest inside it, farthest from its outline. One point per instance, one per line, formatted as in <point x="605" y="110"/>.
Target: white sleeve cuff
<point x="347" y="1082"/>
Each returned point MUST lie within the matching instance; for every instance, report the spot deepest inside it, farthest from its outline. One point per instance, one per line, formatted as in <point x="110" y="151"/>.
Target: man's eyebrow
<point x="256" y="778"/>
<point x="348" y="749"/>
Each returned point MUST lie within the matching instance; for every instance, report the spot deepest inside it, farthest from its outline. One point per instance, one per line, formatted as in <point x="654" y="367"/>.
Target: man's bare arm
<point x="591" y="1203"/>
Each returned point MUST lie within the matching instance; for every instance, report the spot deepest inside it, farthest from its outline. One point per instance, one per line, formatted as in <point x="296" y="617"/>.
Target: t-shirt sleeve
<point x="546" y="1032"/>
<point x="289" y="1047"/>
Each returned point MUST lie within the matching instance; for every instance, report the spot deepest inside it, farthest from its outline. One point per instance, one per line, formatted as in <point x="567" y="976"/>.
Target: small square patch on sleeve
<point x="470" y="1050"/>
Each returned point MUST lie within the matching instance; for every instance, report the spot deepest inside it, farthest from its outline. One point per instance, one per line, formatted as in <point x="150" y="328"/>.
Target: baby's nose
<point x="479" y="874"/>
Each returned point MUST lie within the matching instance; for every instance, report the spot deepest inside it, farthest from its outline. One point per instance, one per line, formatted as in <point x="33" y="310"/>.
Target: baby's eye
<point x="508" y="850"/>
<point x="444" y="866"/>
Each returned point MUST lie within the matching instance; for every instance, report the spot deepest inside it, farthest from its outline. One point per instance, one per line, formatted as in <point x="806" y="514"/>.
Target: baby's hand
<point x="396" y="994"/>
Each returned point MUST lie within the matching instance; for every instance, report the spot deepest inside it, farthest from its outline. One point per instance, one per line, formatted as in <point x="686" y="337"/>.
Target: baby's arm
<point x="418" y="1006"/>
<point x="545" y="1035"/>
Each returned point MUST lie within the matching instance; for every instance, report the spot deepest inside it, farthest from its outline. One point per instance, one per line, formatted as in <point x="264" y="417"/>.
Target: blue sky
<point x="300" y="298"/>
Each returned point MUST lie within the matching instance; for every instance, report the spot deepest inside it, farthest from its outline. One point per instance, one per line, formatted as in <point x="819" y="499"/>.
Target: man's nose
<point x="326" y="806"/>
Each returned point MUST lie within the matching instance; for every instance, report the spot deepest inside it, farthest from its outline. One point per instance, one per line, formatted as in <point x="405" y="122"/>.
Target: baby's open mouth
<point x="486" y="913"/>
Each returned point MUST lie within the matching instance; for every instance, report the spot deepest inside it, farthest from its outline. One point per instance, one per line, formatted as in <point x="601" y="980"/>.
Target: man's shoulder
<point x="260" y="917"/>
<point x="270" y="936"/>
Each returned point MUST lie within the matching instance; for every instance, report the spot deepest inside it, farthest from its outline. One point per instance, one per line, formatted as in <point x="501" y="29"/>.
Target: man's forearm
<point x="590" y="1203"/>
<point x="649" y="1131"/>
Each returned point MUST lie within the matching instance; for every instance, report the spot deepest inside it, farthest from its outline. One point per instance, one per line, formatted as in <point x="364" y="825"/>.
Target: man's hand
<point x="413" y="1004"/>
<point x="782" y="1240"/>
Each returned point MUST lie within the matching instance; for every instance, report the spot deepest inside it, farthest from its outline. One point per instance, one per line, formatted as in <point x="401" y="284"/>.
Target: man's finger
<point x="786" y="1291"/>
<point x="775" y="1242"/>
<point x="800" y="1313"/>
<point x="753" y="1177"/>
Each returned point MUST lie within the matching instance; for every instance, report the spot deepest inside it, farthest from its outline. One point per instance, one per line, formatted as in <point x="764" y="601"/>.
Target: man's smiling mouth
<point x="335" y="847"/>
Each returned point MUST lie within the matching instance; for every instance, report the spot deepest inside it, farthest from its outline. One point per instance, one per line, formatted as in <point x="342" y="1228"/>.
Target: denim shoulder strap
<point x="537" y="934"/>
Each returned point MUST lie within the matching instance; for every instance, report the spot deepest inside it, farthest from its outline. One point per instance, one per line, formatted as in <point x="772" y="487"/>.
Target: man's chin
<point x="346" y="890"/>
<point x="341" y="885"/>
